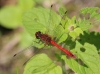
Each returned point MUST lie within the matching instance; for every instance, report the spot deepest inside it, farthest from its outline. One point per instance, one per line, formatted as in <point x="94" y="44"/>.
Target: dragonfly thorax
<point x="43" y="37"/>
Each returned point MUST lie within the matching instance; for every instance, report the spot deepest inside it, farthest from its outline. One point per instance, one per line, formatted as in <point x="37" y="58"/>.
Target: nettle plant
<point x="72" y="32"/>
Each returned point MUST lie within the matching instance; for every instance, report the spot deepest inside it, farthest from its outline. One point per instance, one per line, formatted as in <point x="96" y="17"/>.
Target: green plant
<point x="11" y="16"/>
<point x="71" y="32"/>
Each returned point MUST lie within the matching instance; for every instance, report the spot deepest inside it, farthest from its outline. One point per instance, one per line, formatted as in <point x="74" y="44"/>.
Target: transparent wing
<point x="37" y="51"/>
<point x="42" y="19"/>
<point x="56" y="30"/>
<point x="53" y="22"/>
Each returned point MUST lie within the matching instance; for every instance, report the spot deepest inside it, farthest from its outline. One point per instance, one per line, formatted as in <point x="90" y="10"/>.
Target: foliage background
<point x="14" y="38"/>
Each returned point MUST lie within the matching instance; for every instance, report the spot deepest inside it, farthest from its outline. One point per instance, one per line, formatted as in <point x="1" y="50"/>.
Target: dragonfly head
<point x="38" y="34"/>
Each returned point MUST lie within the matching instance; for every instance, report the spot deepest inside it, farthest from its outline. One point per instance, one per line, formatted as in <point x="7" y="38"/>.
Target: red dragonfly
<point x="48" y="40"/>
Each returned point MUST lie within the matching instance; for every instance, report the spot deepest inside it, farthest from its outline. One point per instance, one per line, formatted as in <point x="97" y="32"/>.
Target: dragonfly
<point x="48" y="40"/>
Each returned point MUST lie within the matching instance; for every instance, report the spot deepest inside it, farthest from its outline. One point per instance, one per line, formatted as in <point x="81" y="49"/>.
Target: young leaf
<point x="76" y="33"/>
<point x="89" y="10"/>
<point x="59" y="33"/>
<point x="84" y="24"/>
<point x="92" y="11"/>
<point x="41" y="64"/>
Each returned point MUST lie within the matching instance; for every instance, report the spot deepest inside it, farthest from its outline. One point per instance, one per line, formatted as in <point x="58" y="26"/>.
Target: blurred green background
<point x="13" y="37"/>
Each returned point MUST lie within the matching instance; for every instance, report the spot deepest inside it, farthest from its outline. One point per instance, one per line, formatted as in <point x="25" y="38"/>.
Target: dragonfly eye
<point x="38" y="34"/>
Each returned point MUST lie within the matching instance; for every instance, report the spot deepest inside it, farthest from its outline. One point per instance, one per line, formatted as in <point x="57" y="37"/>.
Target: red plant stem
<point x="63" y="49"/>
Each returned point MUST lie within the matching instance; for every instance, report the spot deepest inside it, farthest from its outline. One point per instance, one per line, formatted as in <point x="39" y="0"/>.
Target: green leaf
<point x="62" y="11"/>
<point x="89" y="57"/>
<point x="84" y="24"/>
<point x="70" y="24"/>
<point x="76" y="33"/>
<point x="25" y="4"/>
<point x="73" y="34"/>
<point x="92" y="38"/>
<point x="59" y="33"/>
<point x="10" y="17"/>
<point x="89" y="10"/>
<point x="44" y="20"/>
<point x="37" y="19"/>
<point x="63" y="38"/>
<point x="41" y="64"/>
<point x="93" y="13"/>
<point x="98" y="17"/>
